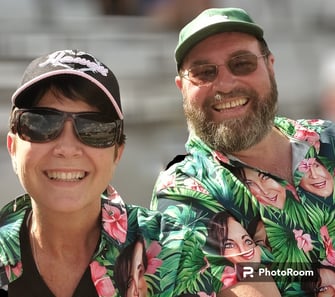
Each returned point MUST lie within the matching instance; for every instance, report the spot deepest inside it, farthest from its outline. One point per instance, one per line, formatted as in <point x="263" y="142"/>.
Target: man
<point x="226" y="77"/>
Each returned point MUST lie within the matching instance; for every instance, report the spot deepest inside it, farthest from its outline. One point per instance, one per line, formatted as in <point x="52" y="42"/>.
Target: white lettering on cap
<point x="62" y="59"/>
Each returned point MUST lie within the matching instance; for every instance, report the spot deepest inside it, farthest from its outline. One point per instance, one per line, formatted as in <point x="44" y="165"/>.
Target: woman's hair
<point x="218" y="230"/>
<point x="123" y="264"/>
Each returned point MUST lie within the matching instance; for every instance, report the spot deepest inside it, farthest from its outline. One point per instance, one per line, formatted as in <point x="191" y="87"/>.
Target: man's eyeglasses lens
<point x="44" y="124"/>
<point x="206" y="73"/>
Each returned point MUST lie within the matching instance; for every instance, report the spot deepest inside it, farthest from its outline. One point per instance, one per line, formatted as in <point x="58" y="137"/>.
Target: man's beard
<point x="235" y="135"/>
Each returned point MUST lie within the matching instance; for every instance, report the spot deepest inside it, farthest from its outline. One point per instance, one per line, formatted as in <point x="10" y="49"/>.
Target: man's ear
<point x="178" y="82"/>
<point x="11" y="143"/>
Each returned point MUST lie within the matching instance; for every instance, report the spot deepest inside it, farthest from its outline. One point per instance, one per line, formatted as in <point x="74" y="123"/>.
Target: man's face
<point x="244" y="113"/>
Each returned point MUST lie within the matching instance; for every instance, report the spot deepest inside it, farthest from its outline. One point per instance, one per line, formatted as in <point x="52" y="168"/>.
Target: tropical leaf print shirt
<point x="298" y="219"/>
<point x="175" y="262"/>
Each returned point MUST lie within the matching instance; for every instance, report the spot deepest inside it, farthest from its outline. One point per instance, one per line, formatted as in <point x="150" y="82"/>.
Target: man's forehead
<point x="223" y="44"/>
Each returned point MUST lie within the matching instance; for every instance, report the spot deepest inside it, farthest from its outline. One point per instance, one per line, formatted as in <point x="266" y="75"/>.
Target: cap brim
<point x="26" y="86"/>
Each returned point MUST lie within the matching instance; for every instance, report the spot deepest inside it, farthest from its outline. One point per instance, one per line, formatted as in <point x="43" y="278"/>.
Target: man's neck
<point x="272" y="154"/>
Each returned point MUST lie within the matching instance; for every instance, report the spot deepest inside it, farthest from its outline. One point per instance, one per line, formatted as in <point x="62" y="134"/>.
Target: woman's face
<point x="327" y="287"/>
<point x="265" y="189"/>
<point x="260" y="236"/>
<point x="317" y="180"/>
<point x="137" y="285"/>
<point x="63" y="175"/>
<point x="239" y="246"/>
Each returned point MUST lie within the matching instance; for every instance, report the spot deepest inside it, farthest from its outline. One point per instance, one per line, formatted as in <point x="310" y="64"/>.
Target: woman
<point x="322" y="284"/>
<point x="316" y="179"/>
<point x="232" y="239"/>
<point x="65" y="141"/>
<point x="266" y="190"/>
<point x="237" y="246"/>
<point x="66" y="138"/>
<point x="130" y="268"/>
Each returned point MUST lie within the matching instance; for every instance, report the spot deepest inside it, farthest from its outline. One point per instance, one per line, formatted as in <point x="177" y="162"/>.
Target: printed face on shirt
<point x="239" y="246"/>
<point x="265" y="189"/>
<point x="137" y="285"/>
<point x="327" y="286"/>
<point x="317" y="180"/>
<point x="260" y="236"/>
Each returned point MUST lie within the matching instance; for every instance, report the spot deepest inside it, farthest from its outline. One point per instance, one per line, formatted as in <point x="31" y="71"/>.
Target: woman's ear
<point x="118" y="153"/>
<point x="11" y="147"/>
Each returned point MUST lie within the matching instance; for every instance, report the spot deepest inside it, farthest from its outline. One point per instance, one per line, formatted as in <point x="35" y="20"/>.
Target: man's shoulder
<point x="175" y="160"/>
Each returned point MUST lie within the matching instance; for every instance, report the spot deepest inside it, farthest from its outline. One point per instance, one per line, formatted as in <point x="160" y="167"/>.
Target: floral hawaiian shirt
<point x="297" y="219"/>
<point x="175" y="262"/>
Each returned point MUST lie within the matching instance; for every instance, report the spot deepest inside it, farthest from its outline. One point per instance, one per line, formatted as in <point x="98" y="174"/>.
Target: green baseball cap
<point x="212" y="21"/>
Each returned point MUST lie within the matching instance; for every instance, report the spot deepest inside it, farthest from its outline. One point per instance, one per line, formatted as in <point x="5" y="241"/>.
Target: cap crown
<point x="213" y="21"/>
<point x="71" y="62"/>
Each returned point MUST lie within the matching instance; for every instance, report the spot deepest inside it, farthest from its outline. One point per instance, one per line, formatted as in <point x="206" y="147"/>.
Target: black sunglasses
<point x="205" y="74"/>
<point x="45" y="124"/>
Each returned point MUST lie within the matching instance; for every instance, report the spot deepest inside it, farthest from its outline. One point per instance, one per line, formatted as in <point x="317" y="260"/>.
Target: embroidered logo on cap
<point x="63" y="58"/>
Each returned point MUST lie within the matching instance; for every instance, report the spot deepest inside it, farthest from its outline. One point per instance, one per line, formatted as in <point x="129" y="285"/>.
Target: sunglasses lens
<point x="43" y="125"/>
<point x="94" y="130"/>
<point x="243" y="65"/>
<point x="39" y="126"/>
<point x="203" y="74"/>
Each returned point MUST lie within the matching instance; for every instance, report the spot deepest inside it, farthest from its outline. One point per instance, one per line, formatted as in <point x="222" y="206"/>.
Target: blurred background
<point x="136" y="39"/>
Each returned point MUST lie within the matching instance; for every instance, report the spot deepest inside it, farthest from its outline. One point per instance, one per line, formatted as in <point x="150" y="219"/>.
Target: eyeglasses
<point x="44" y="124"/>
<point x="205" y="74"/>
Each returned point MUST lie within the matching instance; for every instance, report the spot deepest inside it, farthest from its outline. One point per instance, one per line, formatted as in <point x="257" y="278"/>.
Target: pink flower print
<point x="166" y="181"/>
<point x="220" y="157"/>
<point x="314" y="122"/>
<point x="114" y="196"/>
<point x="327" y="242"/>
<point x="153" y="262"/>
<point x="306" y="164"/>
<point x="229" y="277"/>
<point x="13" y="272"/>
<point x="311" y="137"/>
<point x="206" y="266"/>
<point x="190" y="183"/>
<point x="292" y="189"/>
<point x="304" y="241"/>
<point x="101" y="280"/>
<point x="114" y="222"/>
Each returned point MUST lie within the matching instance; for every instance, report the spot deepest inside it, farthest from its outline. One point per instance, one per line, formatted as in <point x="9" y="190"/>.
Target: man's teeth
<point x="66" y="176"/>
<point x="231" y="104"/>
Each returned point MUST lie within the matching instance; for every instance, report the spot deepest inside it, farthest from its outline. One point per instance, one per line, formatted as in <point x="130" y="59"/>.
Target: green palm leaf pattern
<point x="9" y="233"/>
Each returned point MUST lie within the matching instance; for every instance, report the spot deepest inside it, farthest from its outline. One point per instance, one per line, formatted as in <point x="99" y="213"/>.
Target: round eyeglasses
<point x="205" y="74"/>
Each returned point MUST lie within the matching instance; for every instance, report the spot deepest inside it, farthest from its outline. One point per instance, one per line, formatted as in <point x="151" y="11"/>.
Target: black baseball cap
<point x="70" y="62"/>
